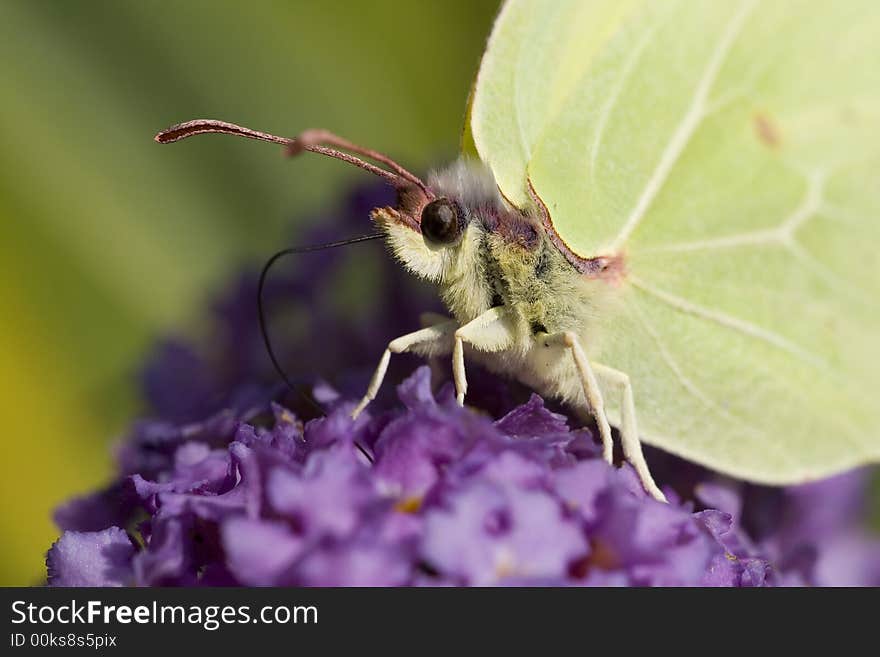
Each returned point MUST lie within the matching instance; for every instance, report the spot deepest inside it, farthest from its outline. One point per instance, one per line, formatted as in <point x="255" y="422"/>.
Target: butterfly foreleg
<point x="569" y="340"/>
<point x="491" y="331"/>
<point x="430" y="341"/>
<point x="629" y="432"/>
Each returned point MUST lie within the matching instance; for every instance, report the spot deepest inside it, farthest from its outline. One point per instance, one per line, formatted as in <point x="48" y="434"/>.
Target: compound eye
<point x="440" y="222"/>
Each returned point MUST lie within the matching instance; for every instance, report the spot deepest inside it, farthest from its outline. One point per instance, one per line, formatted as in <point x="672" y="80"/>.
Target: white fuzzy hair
<point x="469" y="181"/>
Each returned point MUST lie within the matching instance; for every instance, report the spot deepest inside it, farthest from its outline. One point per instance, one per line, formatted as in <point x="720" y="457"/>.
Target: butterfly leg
<point x="569" y="340"/>
<point x="491" y="331"/>
<point x="429" y="341"/>
<point x="435" y="362"/>
<point x="629" y="432"/>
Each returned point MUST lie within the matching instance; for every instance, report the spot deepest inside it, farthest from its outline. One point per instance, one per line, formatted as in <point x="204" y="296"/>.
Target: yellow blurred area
<point x="108" y="240"/>
<point x="49" y="438"/>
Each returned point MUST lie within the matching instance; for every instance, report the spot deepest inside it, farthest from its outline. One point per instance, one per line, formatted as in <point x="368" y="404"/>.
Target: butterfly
<point x="664" y="214"/>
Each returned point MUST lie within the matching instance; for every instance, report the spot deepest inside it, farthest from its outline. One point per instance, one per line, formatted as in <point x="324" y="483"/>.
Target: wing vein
<point x="781" y="235"/>
<point x="611" y="103"/>
<point x="686" y="128"/>
<point x="730" y="322"/>
<point x="768" y="237"/>
<point x="695" y="391"/>
<point x="676" y="370"/>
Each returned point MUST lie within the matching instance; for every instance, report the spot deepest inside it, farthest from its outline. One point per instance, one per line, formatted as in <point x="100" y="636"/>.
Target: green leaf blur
<point x="107" y="239"/>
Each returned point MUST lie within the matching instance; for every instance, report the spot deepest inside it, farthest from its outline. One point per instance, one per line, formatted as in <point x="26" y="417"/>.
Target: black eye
<point x="440" y="222"/>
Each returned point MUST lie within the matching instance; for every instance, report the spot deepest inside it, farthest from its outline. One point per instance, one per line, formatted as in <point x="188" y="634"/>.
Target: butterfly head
<point x="463" y="236"/>
<point x="455" y="229"/>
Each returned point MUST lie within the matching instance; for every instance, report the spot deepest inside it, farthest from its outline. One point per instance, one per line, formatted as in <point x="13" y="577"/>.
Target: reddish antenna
<point x="314" y="141"/>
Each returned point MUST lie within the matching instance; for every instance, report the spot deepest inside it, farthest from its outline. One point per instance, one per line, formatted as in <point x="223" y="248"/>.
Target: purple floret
<point x="101" y="558"/>
<point x="233" y="480"/>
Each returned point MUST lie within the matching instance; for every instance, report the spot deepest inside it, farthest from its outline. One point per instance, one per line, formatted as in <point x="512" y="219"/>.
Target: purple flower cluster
<point x="235" y="481"/>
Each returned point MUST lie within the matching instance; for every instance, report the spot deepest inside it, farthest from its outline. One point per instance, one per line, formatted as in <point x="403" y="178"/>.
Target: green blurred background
<point x="108" y="239"/>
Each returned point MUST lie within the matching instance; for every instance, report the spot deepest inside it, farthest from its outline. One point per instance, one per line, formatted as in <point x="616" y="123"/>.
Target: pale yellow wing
<point x="731" y="152"/>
